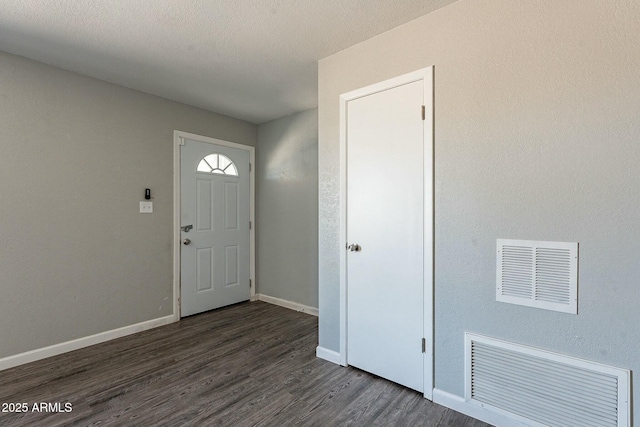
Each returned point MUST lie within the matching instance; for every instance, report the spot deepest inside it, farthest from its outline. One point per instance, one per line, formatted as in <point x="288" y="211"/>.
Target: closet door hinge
<point x="424" y="112"/>
<point x="424" y="345"/>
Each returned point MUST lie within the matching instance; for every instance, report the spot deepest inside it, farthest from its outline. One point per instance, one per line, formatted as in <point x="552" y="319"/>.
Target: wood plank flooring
<point x="251" y="364"/>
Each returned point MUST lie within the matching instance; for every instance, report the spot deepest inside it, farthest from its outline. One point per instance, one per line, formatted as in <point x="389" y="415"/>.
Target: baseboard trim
<point x="329" y="355"/>
<point x="56" y="349"/>
<point x="458" y="403"/>
<point x="288" y="304"/>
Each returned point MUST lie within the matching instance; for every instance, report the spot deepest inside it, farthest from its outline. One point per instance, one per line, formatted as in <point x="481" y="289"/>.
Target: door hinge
<point x="249" y="167"/>
<point x="424" y="345"/>
<point x="424" y="112"/>
<point x="250" y="225"/>
<point x="250" y="283"/>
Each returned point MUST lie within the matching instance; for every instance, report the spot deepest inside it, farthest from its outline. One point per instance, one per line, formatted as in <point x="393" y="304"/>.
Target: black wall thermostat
<point x="147" y="193"/>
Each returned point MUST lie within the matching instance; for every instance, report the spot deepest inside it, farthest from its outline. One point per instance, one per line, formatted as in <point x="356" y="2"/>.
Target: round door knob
<point x="186" y="241"/>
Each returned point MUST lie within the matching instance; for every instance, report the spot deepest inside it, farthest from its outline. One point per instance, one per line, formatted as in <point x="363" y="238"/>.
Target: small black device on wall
<point x="147" y="193"/>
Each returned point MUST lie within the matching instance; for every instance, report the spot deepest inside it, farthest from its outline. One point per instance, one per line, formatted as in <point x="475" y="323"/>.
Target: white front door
<point x="386" y="263"/>
<point x="214" y="236"/>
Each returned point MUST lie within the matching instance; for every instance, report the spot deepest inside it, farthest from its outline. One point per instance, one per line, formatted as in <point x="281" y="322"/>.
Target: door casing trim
<point x="178" y="141"/>
<point x="426" y="75"/>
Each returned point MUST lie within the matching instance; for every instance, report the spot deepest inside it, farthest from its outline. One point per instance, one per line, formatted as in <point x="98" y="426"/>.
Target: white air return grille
<point x="540" y="388"/>
<point x="538" y="274"/>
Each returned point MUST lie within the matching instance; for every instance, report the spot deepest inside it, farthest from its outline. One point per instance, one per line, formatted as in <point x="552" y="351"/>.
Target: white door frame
<point x="426" y="75"/>
<point x="178" y="141"/>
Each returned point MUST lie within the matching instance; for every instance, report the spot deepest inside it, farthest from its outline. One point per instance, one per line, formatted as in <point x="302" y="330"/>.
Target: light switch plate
<point x="146" y="207"/>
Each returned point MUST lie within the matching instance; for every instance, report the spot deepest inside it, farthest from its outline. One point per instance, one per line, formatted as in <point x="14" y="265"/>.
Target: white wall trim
<point x="56" y="349"/>
<point x="178" y="140"/>
<point x="329" y="355"/>
<point x="425" y="75"/>
<point x="458" y="403"/>
<point x="288" y="304"/>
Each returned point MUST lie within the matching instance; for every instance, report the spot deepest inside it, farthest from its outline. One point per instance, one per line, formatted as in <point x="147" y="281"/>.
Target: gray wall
<point x="76" y="257"/>
<point x="287" y="208"/>
<point x="536" y="137"/>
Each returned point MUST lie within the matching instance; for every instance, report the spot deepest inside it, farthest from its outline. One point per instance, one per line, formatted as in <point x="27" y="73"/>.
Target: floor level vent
<point x="539" y="388"/>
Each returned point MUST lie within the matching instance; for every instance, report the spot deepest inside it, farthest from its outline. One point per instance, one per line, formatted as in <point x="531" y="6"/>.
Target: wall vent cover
<point x="538" y="274"/>
<point x="540" y="388"/>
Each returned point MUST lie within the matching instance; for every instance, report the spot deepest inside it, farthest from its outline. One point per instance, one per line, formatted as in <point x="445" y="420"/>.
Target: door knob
<point x="186" y="241"/>
<point x="354" y="247"/>
<point x="186" y="228"/>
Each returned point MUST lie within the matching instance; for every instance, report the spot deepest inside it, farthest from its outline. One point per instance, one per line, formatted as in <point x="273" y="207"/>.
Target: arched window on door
<point x="217" y="164"/>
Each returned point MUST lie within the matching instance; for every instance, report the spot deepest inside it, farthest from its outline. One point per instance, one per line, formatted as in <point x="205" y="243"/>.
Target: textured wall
<point x="76" y="257"/>
<point x="536" y="137"/>
<point x="287" y="208"/>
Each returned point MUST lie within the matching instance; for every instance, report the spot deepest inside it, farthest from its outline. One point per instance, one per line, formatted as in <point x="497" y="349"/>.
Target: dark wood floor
<point x="252" y="364"/>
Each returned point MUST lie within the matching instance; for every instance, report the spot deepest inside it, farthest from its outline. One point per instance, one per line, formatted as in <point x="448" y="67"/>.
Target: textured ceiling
<point x="251" y="59"/>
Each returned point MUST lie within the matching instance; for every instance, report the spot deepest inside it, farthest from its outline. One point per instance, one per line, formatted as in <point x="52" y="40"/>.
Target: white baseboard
<point x="54" y="350"/>
<point x="458" y="403"/>
<point x="329" y="355"/>
<point x="288" y="304"/>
